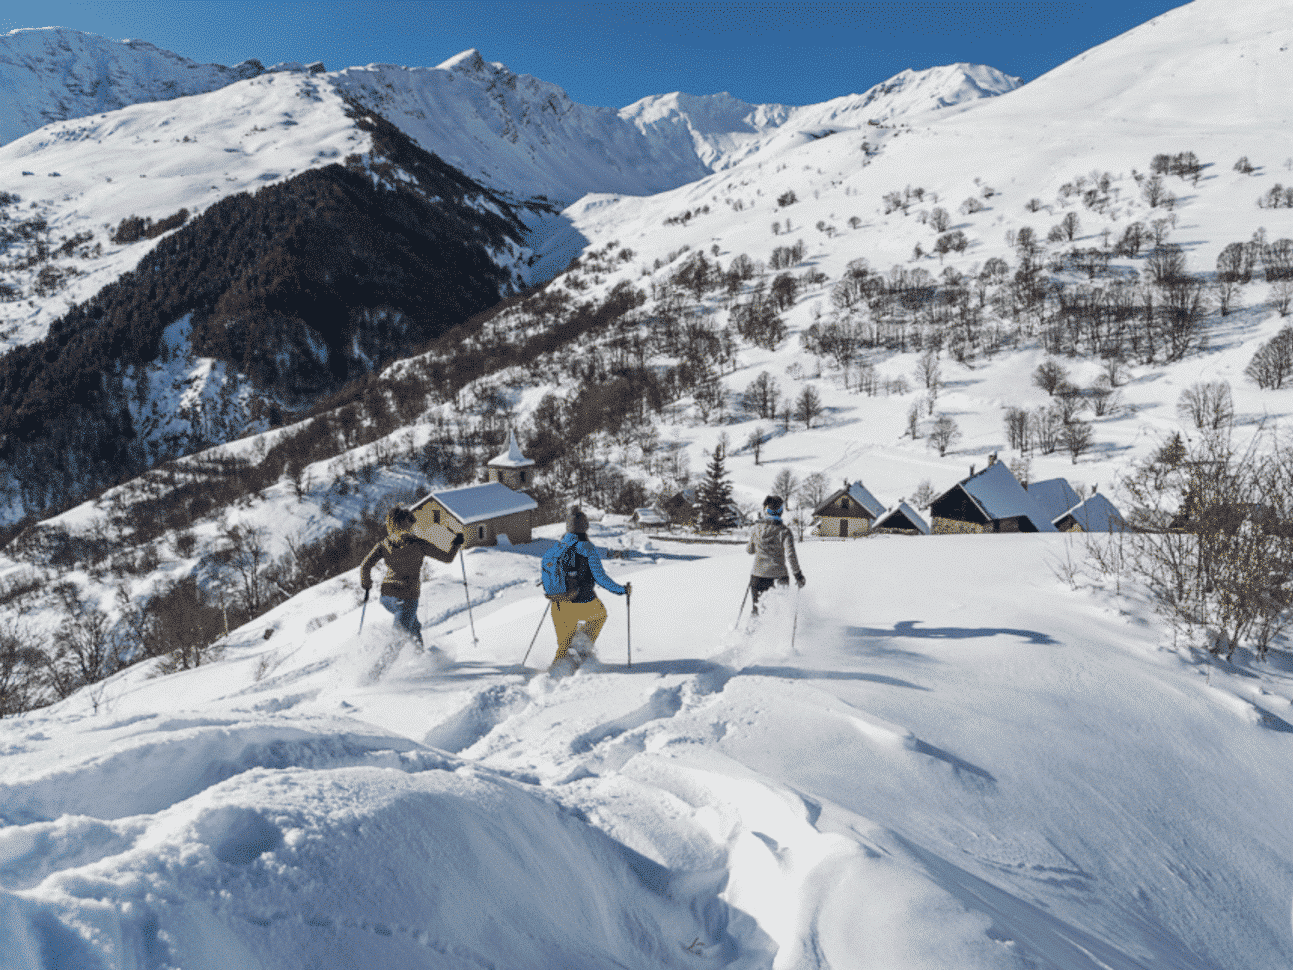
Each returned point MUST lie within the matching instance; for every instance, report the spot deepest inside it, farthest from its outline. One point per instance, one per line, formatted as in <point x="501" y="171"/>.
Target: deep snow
<point x="963" y="763"/>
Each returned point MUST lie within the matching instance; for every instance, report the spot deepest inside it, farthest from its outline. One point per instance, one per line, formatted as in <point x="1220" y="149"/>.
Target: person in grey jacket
<point x="773" y="546"/>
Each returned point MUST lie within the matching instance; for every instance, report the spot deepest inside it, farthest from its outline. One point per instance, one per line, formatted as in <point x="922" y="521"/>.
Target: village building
<point x="511" y="468"/>
<point x="1096" y="514"/>
<point x="902" y="519"/>
<point x="848" y="512"/>
<point x="990" y="501"/>
<point x="1055" y="496"/>
<point x="482" y="513"/>
<point x="649" y="518"/>
<point x="680" y="507"/>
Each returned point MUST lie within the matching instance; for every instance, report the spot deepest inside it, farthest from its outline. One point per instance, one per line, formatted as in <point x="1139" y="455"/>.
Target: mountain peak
<point x="469" y="60"/>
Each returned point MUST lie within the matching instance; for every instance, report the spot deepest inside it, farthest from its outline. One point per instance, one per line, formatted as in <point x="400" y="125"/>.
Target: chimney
<point x="971" y="471"/>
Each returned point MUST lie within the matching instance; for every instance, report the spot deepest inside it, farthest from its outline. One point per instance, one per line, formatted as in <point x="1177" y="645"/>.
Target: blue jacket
<point x="590" y="571"/>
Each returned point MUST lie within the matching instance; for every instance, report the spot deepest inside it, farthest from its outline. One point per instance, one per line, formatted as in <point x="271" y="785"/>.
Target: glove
<point x="628" y="589"/>
<point x="799" y="579"/>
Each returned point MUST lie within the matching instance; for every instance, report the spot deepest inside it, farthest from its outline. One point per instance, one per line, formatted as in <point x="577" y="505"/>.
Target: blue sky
<point x="615" y="53"/>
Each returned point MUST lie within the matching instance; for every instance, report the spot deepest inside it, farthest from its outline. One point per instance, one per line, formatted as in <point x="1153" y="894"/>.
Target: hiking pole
<point x="741" y="611"/>
<point x="467" y="592"/>
<point x="363" y="611"/>
<point x="536" y="633"/>
<point x="794" y="627"/>
<point x="628" y="611"/>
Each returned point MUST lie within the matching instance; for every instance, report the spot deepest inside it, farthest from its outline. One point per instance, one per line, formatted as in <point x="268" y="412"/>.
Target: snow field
<point x="962" y="762"/>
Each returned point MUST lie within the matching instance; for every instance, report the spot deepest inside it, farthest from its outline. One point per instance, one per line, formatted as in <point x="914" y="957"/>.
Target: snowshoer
<point x="403" y="552"/>
<point x="579" y="609"/>
<point x="773" y="546"/>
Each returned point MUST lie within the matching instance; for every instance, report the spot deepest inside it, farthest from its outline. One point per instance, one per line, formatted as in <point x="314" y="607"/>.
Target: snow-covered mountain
<point x="55" y="73"/>
<point x="522" y="135"/>
<point x="943" y="751"/>
<point x="725" y="131"/>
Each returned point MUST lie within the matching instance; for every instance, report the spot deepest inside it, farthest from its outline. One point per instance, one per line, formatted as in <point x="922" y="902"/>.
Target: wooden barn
<point x="848" y="512"/>
<point x="482" y="513"/>
<point x="650" y="518"/>
<point x="990" y="501"/>
<point x="680" y="507"/>
<point x="902" y="519"/>
<point x="1096" y="514"/>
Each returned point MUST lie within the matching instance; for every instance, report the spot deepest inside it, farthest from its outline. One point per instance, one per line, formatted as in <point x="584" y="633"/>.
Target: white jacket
<point x="773" y="547"/>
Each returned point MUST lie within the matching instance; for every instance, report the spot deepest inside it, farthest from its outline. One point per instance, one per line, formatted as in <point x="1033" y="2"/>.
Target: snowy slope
<point x="153" y="159"/>
<point x="55" y="73"/>
<point x="1002" y="152"/>
<point x="978" y="768"/>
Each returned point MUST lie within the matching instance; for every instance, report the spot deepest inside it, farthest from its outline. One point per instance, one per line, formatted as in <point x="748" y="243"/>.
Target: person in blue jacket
<point x="582" y="604"/>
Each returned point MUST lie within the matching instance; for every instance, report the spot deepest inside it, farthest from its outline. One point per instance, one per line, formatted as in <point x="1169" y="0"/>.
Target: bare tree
<point x="914" y="414"/>
<point x="944" y="434"/>
<point x="21" y="664"/>
<point x="1208" y="405"/>
<point x="928" y="371"/>
<point x="808" y="405"/>
<point x="1078" y="437"/>
<point x="1070" y="225"/>
<point x="1272" y="365"/>
<point x="245" y="557"/>
<point x="1017" y="428"/>
<point x="785" y="485"/>
<point x="755" y="443"/>
<point x="939" y="220"/>
<point x="1049" y="376"/>
<point x="761" y="395"/>
<point x="814" y="490"/>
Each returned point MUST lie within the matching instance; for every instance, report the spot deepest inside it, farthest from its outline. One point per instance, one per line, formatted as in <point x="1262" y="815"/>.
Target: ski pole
<point x="794" y="627"/>
<point x="536" y="633"/>
<point x="628" y="612"/>
<point x="362" y="612"/>
<point x="467" y="592"/>
<point x="741" y="611"/>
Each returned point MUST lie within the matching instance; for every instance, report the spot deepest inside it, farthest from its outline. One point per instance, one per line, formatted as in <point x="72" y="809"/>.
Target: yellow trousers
<point x="566" y="617"/>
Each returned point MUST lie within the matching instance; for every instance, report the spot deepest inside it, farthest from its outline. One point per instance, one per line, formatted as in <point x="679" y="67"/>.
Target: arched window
<point x="480" y="532"/>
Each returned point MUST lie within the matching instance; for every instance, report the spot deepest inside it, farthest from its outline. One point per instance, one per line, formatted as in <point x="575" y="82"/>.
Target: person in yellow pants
<point x="583" y="604"/>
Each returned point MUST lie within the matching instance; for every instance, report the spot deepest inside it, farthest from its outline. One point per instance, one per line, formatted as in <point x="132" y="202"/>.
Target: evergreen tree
<point x="716" y="496"/>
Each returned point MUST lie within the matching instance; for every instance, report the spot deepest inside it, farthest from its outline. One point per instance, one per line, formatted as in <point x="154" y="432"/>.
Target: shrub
<point x="1272" y="365"/>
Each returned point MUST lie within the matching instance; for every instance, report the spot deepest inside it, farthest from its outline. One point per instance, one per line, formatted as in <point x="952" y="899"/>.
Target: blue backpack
<point x="559" y="570"/>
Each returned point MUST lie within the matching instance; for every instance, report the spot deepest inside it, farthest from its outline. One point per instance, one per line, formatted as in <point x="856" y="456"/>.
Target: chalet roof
<point x="650" y="516"/>
<point x="1055" y="496"/>
<point x="902" y="511"/>
<point x="859" y="493"/>
<point x="999" y="495"/>
<point x="476" y="503"/>
<point x="512" y="457"/>
<point x="1096" y="514"/>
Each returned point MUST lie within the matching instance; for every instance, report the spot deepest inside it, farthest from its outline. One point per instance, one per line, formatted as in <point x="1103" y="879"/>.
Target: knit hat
<point x="773" y="502"/>
<point x="576" y="521"/>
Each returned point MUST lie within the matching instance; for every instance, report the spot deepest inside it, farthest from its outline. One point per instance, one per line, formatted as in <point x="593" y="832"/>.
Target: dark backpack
<point x="560" y="570"/>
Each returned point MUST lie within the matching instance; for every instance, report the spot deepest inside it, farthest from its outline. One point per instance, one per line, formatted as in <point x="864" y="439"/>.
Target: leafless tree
<point x="814" y="489"/>
<point x="808" y="406"/>
<point x="1049" y="376"/>
<point x="944" y="434"/>
<point x="1078" y="437"/>
<point x="1208" y="405"/>
<point x="786" y="485"/>
<point x="21" y="668"/>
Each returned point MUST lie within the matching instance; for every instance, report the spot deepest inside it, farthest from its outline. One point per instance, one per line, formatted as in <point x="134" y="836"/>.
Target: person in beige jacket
<point x="403" y="552"/>
<point x="773" y="547"/>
